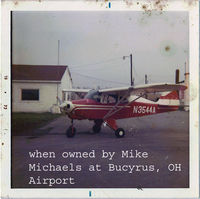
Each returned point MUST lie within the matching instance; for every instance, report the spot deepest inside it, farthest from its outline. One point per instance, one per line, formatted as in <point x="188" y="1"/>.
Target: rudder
<point x="169" y="98"/>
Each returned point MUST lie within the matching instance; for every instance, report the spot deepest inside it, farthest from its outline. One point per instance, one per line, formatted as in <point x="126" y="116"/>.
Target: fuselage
<point x="93" y="110"/>
<point x="108" y="105"/>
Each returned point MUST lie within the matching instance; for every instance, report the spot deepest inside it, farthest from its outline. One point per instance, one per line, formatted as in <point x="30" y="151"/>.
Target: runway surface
<point x="153" y="154"/>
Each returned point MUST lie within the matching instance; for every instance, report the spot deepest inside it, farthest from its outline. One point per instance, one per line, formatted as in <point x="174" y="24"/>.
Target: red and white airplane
<point x="108" y="105"/>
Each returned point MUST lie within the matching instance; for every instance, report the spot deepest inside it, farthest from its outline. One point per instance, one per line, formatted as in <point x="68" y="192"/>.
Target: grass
<point x="22" y="122"/>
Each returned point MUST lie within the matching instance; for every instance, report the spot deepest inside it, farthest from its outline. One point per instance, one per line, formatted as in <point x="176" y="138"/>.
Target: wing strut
<point x="115" y="109"/>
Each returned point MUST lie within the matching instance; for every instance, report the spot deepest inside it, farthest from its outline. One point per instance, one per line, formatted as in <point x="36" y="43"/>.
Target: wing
<point x="76" y="90"/>
<point x="147" y="88"/>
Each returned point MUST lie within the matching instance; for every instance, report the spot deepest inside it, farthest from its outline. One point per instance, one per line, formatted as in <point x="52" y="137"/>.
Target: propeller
<point x="65" y="107"/>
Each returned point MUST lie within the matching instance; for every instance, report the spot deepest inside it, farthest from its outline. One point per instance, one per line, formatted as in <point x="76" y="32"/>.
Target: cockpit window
<point x="94" y="95"/>
<point x="108" y="99"/>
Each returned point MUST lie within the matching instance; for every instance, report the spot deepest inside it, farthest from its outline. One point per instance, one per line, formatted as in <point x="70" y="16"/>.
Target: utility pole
<point x="131" y="68"/>
<point x="177" y="76"/>
<point x="58" y="51"/>
<point x="131" y="62"/>
<point x="146" y="81"/>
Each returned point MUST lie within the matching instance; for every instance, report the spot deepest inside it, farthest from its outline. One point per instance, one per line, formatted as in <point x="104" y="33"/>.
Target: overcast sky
<point x="93" y="44"/>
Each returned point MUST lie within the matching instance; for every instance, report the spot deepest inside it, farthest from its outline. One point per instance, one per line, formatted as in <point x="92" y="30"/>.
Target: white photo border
<point x="175" y="5"/>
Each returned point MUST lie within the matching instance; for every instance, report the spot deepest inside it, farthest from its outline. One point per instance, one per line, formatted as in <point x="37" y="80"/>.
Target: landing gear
<point x="97" y="126"/>
<point x="71" y="131"/>
<point x="120" y="133"/>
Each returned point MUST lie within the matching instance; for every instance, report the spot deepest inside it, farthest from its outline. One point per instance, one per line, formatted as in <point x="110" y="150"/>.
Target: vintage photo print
<point x="100" y="99"/>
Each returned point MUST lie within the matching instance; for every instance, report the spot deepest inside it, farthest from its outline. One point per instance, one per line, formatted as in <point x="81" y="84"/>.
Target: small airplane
<point x="108" y="105"/>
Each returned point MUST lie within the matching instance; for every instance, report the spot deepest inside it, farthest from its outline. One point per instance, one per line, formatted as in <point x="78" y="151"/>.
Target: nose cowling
<point x="66" y="107"/>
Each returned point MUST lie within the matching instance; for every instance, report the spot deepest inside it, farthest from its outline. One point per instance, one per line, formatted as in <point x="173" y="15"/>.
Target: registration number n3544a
<point x="144" y="109"/>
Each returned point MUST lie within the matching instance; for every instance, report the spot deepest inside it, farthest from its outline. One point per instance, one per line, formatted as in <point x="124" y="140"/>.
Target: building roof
<point x="38" y="72"/>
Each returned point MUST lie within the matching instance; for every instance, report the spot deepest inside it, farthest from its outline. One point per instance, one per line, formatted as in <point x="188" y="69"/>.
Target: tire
<point x="71" y="132"/>
<point x="120" y="133"/>
<point x="96" y="128"/>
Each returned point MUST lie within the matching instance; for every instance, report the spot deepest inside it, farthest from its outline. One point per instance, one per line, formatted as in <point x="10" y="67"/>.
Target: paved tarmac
<point x="153" y="145"/>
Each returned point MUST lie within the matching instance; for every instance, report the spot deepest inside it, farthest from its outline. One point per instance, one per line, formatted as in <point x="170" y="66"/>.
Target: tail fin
<point x="169" y="98"/>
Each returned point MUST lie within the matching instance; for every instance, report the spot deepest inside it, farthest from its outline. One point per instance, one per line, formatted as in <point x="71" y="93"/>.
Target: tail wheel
<point x="71" y="132"/>
<point x="120" y="133"/>
<point x="96" y="128"/>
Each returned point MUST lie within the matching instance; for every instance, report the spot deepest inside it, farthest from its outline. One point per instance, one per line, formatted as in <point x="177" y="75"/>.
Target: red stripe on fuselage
<point x="90" y="109"/>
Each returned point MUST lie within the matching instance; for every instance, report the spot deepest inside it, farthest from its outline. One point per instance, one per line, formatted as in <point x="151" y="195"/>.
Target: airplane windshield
<point x="94" y="95"/>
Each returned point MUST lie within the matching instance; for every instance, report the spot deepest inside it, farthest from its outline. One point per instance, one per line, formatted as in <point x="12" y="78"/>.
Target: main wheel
<point x="71" y="132"/>
<point x="120" y="133"/>
<point x="96" y="128"/>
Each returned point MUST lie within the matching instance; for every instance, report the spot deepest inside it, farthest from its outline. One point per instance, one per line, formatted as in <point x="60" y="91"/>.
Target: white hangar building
<point x="35" y="88"/>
